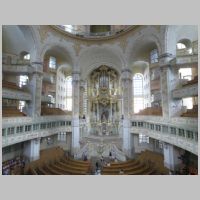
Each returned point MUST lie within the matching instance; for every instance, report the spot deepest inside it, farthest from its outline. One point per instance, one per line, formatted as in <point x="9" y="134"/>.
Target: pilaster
<point x="35" y="88"/>
<point x="75" y="111"/>
<point x="169" y="81"/>
<point x="126" y="81"/>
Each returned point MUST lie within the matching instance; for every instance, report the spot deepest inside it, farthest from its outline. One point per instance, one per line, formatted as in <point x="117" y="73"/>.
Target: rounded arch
<point x="59" y="49"/>
<point x="142" y="44"/>
<point x="95" y="56"/>
<point x="66" y="68"/>
<point x="174" y="34"/>
<point x="19" y="38"/>
<point x="186" y="42"/>
<point x="139" y="67"/>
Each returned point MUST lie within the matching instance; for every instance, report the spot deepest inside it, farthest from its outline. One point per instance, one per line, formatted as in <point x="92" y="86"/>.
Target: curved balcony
<point x="78" y="33"/>
<point x="16" y="94"/>
<point x="187" y="91"/>
<point x="17" y="69"/>
<point x="15" y="130"/>
<point x="179" y="132"/>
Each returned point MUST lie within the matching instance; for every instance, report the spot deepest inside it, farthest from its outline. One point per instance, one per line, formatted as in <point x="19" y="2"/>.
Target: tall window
<point x="69" y="93"/>
<point x="138" y="93"/>
<point x="23" y="80"/>
<point x="52" y="62"/>
<point x="154" y="56"/>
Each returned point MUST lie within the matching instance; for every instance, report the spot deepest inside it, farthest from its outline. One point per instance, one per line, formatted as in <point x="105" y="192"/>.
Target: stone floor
<point x="95" y="160"/>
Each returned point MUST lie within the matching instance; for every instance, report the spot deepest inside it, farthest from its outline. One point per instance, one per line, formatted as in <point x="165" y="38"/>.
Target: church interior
<point x="99" y="100"/>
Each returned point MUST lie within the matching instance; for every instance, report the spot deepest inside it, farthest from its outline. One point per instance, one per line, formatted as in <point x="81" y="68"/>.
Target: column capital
<point x="37" y="67"/>
<point x="126" y="74"/>
<point x="75" y="76"/>
<point x="164" y="59"/>
<point x="82" y="83"/>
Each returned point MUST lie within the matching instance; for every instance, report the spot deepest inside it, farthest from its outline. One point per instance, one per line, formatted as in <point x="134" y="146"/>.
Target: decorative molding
<point x="183" y="143"/>
<point x="187" y="91"/>
<point x="20" y="121"/>
<point x="9" y="140"/>
<point x="15" y="94"/>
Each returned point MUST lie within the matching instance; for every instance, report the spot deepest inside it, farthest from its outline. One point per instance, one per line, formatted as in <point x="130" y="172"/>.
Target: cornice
<point x="104" y="38"/>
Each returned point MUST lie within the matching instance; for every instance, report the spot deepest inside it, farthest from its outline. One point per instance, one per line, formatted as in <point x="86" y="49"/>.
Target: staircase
<point x="98" y="148"/>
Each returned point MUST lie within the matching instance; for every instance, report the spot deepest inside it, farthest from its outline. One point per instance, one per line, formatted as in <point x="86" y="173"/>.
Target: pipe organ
<point x="104" y="101"/>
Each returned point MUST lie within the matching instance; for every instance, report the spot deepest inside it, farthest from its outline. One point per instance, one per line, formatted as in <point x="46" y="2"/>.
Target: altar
<point x="104" y="102"/>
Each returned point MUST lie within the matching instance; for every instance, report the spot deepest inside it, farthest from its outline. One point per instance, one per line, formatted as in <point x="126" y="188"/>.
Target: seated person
<point x="121" y="171"/>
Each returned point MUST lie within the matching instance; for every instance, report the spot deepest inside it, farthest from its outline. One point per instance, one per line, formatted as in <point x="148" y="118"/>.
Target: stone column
<point x="126" y="79"/>
<point x="169" y="81"/>
<point x="82" y="89"/>
<point x="32" y="149"/>
<point x="75" y="111"/>
<point x="171" y="156"/>
<point x="35" y="88"/>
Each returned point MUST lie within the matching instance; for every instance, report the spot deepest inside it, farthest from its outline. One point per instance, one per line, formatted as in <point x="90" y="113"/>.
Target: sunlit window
<point x="23" y="80"/>
<point x="69" y="28"/>
<point x="21" y="105"/>
<point x="143" y="138"/>
<point x="27" y="57"/>
<point x="138" y="98"/>
<point x="69" y="93"/>
<point x="52" y="62"/>
<point x="188" y="102"/>
<point x="180" y="46"/>
<point x="154" y="56"/>
<point x="185" y="73"/>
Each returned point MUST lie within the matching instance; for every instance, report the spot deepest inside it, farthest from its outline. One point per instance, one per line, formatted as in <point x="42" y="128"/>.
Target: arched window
<point x="138" y="93"/>
<point x="184" y="45"/>
<point x="154" y="56"/>
<point x="69" y="93"/>
<point x="52" y="62"/>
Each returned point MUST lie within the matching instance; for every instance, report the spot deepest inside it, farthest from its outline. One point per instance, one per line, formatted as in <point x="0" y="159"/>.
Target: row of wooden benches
<point x="131" y="167"/>
<point x="62" y="167"/>
<point x="151" y="111"/>
<point x="191" y="82"/>
<point x="52" y="111"/>
<point x="191" y="112"/>
<point x="11" y="112"/>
